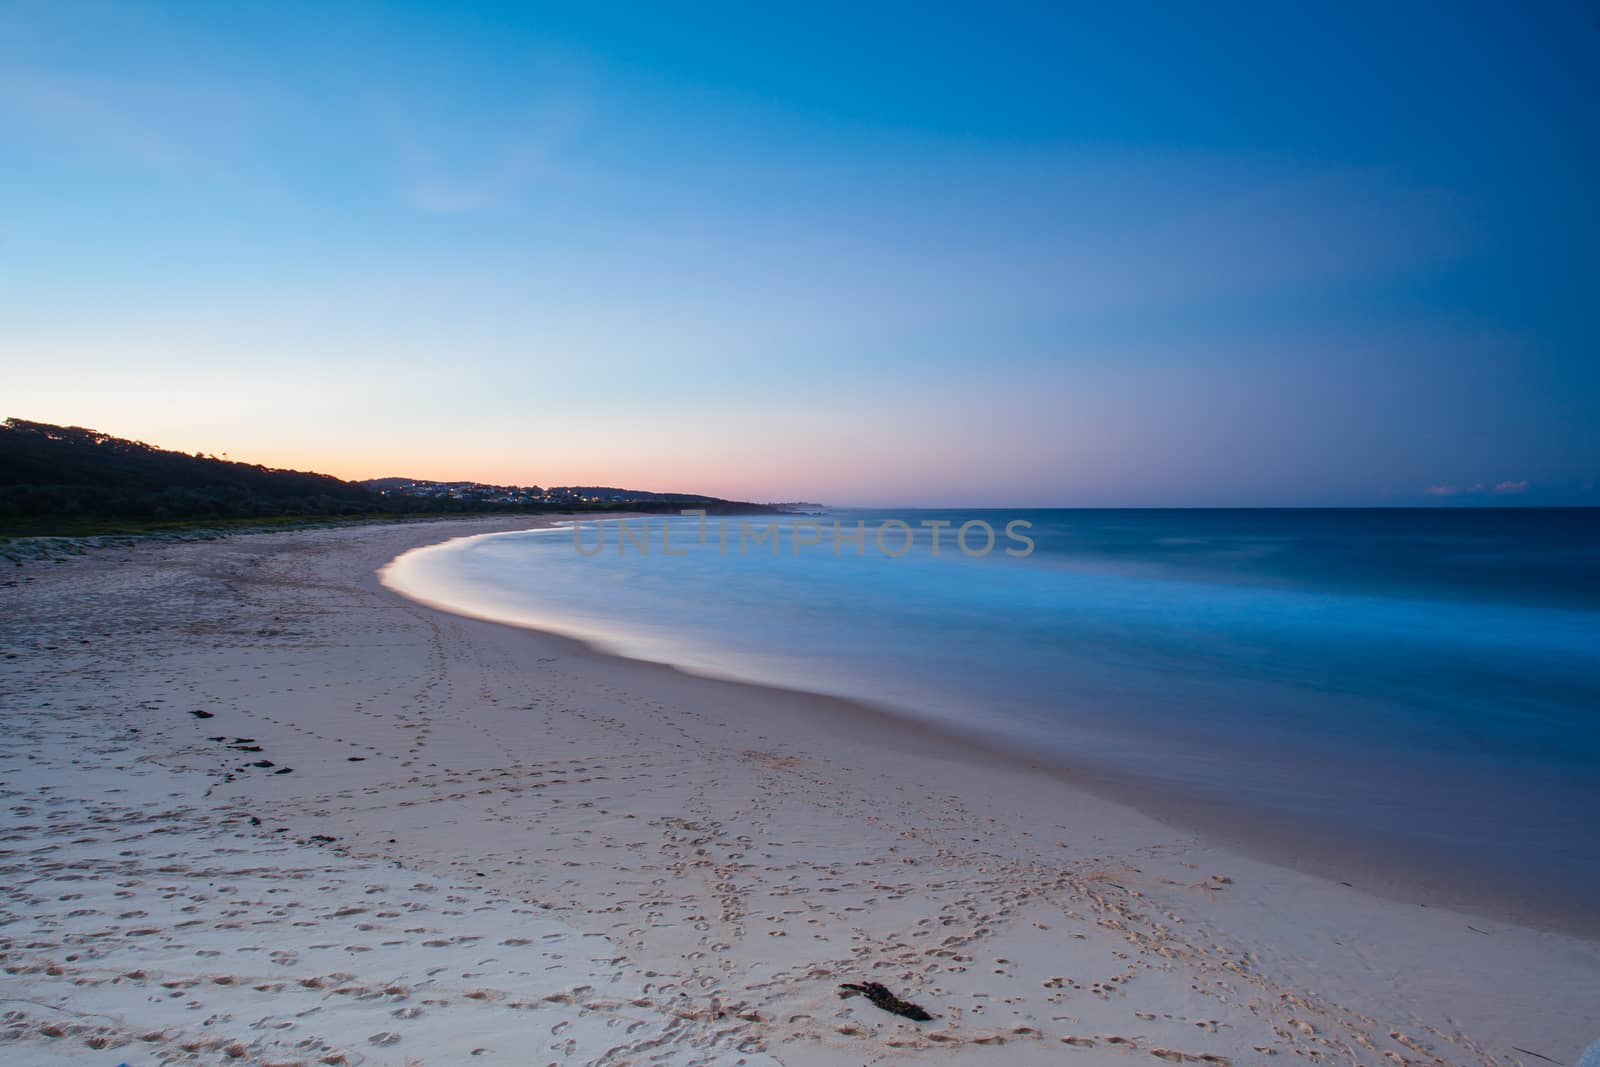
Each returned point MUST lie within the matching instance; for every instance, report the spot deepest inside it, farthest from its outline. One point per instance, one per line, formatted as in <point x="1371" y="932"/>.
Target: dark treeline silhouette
<point x="59" y="476"/>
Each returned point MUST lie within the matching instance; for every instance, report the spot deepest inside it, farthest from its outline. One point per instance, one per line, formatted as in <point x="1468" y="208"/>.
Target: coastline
<point x="1337" y="852"/>
<point x="738" y="850"/>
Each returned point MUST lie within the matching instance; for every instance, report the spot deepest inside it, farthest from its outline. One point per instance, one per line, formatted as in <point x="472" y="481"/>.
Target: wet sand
<point x="396" y="835"/>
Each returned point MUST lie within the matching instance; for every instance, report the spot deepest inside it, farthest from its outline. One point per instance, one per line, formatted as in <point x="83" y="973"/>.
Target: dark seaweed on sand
<point x="880" y="996"/>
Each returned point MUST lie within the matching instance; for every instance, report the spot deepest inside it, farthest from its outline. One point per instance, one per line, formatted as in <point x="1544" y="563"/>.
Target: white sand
<point x="544" y="855"/>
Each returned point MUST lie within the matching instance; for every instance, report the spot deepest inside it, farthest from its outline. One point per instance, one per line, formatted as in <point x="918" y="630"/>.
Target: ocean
<point x="1418" y="687"/>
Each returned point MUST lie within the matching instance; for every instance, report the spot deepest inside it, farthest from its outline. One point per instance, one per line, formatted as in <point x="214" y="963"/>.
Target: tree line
<point x="65" y="475"/>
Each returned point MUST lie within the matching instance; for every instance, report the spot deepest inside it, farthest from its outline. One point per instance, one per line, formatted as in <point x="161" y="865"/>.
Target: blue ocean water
<point x="1426" y="682"/>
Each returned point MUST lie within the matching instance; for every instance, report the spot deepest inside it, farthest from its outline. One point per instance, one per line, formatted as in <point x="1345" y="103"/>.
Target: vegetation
<point x="66" y="480"/>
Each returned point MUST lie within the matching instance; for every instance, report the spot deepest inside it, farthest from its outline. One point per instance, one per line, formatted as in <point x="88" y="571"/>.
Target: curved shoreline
<point x="1346" y="860"/>
<point x="690" y="866"/>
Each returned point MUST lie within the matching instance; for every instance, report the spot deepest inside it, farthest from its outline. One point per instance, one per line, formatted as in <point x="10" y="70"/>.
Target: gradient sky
<point x="991" y="255"/>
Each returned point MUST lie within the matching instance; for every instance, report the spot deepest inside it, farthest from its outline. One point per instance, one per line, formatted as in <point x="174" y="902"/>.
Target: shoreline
<point x="731" y="852"/>
<point x="1341" y="855"/>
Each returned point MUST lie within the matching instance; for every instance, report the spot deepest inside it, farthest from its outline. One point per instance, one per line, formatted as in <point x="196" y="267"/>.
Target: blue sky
<point x="998" y="254"/>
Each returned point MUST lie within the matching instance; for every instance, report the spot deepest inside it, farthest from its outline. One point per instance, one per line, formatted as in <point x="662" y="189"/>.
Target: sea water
<point x="1423" y="682"/>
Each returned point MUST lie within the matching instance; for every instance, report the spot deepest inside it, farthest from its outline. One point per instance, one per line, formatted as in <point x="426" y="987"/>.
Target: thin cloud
<point x="440" y="174"/>
<point x="1479" y="489"/>
<point x="91" y="112"/>
<point x="187" y="125"/>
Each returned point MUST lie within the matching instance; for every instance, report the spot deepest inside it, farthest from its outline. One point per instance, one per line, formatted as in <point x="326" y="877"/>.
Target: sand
<point x="401" y="836"/>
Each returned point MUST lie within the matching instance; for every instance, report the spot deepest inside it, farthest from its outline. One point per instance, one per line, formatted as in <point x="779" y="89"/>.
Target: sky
<point x="975" y="255"/>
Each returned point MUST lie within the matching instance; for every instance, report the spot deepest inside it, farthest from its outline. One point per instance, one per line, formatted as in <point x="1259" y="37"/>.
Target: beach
<point x="259" y="808"/>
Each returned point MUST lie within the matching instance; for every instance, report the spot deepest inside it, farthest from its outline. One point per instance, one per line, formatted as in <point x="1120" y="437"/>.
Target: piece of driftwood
<point x="880" y="997"/>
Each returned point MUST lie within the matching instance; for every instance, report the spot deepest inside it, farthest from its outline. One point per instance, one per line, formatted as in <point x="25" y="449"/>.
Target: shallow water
<point x="1427" y="681"/>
